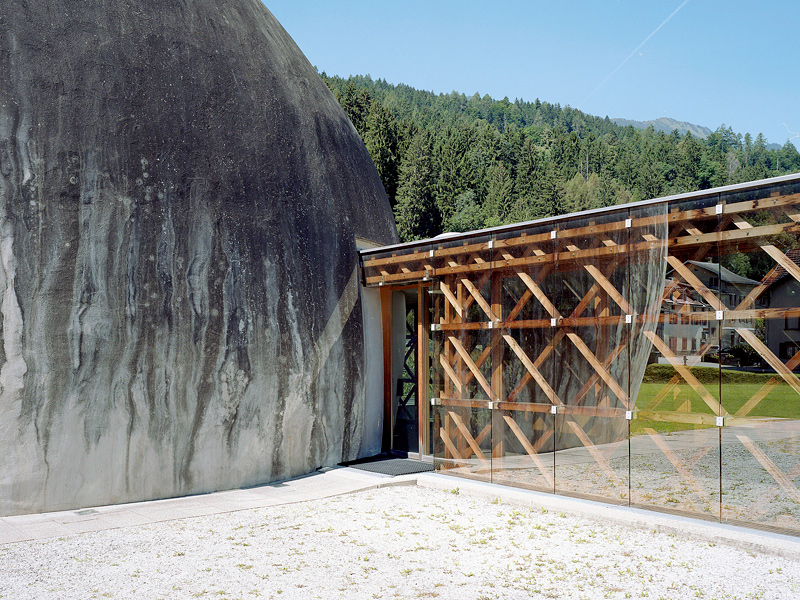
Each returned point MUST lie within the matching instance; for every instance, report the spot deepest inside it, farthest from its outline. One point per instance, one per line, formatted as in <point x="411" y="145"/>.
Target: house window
<point x="713" y="282"/>
<point x="792" y="321"/>
<point x="787" y="350"/>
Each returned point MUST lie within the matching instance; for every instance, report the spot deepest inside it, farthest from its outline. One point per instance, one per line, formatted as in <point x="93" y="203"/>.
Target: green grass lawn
<point x="736" y="389"/>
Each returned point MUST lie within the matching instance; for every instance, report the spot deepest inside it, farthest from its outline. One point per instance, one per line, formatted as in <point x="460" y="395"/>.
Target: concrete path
<point x="323" y="484"/>
<point x="338" y="481"/>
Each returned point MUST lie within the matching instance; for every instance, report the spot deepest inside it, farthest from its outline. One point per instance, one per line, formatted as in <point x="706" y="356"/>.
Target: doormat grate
<point x="391" y="466"/>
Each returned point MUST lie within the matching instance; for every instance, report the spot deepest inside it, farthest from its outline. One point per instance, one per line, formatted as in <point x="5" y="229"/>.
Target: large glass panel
<point x="592" y="363"/>
<point x="760" y="356"/>
<point x="463" y="439"/>
<point x="525" y="285"/>
<point x="464" y="332"/>
<point x="674" y="440"/>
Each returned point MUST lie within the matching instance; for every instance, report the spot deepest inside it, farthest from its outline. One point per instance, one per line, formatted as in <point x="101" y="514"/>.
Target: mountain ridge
<point x="667" y="125"/>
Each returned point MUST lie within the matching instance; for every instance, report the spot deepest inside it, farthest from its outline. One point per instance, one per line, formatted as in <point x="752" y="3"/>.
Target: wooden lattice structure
<point x="642" y="354"/>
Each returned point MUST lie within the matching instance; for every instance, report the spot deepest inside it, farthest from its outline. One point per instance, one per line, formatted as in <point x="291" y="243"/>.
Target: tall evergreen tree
<point x="415" y="211"/>
<point x="382" y="141"/>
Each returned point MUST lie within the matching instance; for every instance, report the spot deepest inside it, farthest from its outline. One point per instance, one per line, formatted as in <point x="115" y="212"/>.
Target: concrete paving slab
<point x="42" y="530"/>
<point x="322" y="484"/>
<point x="124" y="518"/>
<point x="87" y="525"/>
<point x="10" y="533"/>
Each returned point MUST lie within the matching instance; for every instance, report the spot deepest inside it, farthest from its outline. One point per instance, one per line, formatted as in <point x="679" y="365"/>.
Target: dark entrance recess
<point x="405" y="436"/>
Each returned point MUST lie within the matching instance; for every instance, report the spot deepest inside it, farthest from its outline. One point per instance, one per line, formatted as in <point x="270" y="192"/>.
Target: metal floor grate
<point x="391" y="466"/>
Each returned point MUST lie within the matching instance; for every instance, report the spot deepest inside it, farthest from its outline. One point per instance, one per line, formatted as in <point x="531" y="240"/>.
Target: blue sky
<point x="713" y="62"/>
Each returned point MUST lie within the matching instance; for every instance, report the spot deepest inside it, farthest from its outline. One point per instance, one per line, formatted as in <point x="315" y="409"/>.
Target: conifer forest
<point x="451" y="162"/>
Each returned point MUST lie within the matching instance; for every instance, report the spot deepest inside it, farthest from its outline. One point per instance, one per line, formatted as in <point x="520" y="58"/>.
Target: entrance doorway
<point x="408" y="387"/>
<point x="405" y="432"/>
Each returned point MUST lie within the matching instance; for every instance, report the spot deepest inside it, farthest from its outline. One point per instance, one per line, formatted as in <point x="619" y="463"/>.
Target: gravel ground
<point x="397" y="542"/>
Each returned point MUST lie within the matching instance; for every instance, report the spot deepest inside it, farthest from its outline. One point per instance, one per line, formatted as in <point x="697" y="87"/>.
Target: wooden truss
<point x="509" y="323"/>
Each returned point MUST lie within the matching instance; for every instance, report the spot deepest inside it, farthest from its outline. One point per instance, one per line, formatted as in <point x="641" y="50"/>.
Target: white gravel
<point x="397" y="542"/>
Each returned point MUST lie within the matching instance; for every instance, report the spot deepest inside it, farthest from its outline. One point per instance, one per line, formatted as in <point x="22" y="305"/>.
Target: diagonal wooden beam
<point x="452" y="375"/>
<point x="481" y="282"/>
<point x="479" y="363"/>
<point x="472" y="367"/>
<point x="523" y="439"/>
<point x="675" y="380"/>
<point x="758" y="507"/>
<point x="773" y="361"/>
<point x="519" y="306"/>
<point x="469" y="439"/>
<point x="595" y="377"/>
<point x="598" y="457"/>
<point x="684" y="472"/>
<point x="582" y="305"/>
<point x="662" y="393"/>
<point x="692" y="280"/>
<point x="451" y="447"/>
<point x="486" y="431"/>
<point x="609" y="288"/>
<point x="771" y="468"/>
<point x="600" y="370"/>
<point x="684" y="372"/>
<point x="531" y="368"/>
<point x="540" y="295"/>
<point x="448" y="293"/>
<point x="762" y="393"/>
<point x="757" y="291"/>
<point x="695" y="458"/>
<point x="783" y="260"/>
<point x="476" y="294"/>
<point x="543" y="272"/>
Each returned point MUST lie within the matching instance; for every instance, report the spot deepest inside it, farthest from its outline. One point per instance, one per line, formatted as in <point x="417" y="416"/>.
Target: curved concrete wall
<point x="179" y="200"/>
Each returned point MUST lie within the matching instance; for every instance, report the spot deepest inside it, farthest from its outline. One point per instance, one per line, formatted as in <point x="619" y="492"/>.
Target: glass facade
<point x="645" y="355"/>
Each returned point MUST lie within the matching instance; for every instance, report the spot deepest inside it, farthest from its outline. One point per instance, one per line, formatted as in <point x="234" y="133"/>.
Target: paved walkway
<point x="338" y="481"/>
<point x="318" y="485"/>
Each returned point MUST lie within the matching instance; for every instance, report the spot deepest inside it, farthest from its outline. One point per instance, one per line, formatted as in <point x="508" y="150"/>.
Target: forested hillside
<point x="450" y="162"/>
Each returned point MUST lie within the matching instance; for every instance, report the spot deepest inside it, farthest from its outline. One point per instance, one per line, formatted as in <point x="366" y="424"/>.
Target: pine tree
<point x="381" y="139"/>
<point x="415" y="210"/>
<point x="499" y="195"/>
